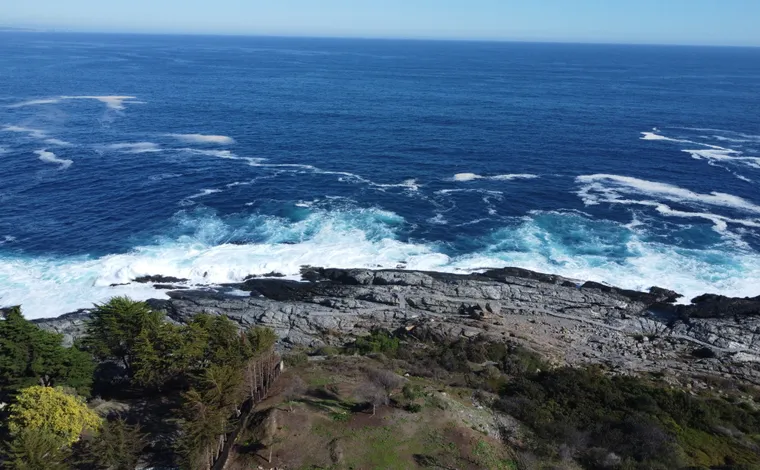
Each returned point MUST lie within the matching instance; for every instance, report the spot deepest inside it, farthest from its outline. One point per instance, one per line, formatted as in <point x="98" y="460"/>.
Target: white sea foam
<point x="366" y="238"/>
<point x="439" y="219"/>
<point x="204" y="139"/>
<point x="725" y="270"/>
<point x="755" y="138"/>
<point x="35" y="102"/>
<point x="58" y="142"/>
<point x="466" y="177"/>
<point x="522" y="176"/>
<point x="47" y="287"/>
<point x="114" y="102"/>
<point x="36" y="133"/>
<point x="111" y="101"/>
<point x="204" y="192"/>
<point x="655" y="136"/>
<point x="410" y="184"/>
<point x="216" y="153"/>
<point x="608" y="188"/>
<point x="50" y="157"/>
<point x="238" y="183"/>
<point x="726" y="156"/>
<point x="135" y="147"/>
<point x="345" y="176"/>
<point x="507" y="177"/>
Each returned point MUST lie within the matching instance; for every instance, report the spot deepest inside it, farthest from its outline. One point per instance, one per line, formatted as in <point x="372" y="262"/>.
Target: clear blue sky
<point x="718" y="22"/>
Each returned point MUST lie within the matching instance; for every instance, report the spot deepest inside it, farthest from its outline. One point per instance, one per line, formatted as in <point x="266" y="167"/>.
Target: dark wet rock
<point x="665" y="295"/>
<point x="269" y="274"/>
<point x="169" y="287"/>
<point x="704" y="353"/>
<point x="719" y="306"/>
<point x="159" y="278"/>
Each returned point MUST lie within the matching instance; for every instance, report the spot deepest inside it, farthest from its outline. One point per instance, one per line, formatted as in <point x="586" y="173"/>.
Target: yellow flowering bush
<point x="53" y="410"/>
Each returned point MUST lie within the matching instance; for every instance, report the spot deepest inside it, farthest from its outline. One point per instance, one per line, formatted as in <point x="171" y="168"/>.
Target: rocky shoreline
<point x="714" y="337"/>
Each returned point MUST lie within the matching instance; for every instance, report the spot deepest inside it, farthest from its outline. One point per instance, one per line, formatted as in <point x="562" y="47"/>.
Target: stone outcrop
<point x="570" y="321"/>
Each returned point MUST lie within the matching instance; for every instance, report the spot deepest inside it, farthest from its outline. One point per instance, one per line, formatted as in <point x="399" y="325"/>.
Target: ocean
<point x="214" y="158"/>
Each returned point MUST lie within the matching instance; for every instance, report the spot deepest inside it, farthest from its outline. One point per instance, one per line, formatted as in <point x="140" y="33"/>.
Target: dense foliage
<point x="36" y="449"/>
<point x="118" y="446"/>
<point x="52" y="410"/>
<point x="31" y="356"/>
<point x="116" y="328"/>
<point x="378" y="341"/>
<point x="206" y="369"/>
<point x="647" y="426"/>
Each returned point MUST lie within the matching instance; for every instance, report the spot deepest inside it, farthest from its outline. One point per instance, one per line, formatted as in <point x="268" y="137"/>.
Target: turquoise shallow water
<point x="212" y="158"/>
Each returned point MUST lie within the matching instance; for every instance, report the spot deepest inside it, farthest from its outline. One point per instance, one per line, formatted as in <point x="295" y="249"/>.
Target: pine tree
<point x="115" y="328"/>
<point x="35" y="449"/>
<point x="117" y="447"/>
<point x="32" y="356"/>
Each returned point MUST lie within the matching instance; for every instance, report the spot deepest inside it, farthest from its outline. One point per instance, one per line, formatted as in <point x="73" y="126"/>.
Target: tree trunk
<point x="373" y="409"/>
<point x="269" y="460"/>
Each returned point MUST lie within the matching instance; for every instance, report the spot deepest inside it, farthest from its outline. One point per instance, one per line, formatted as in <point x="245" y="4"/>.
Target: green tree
<point x="117" y="447"/>
<point x="261" y="339"/>
<point x="161" y="354"/>
<point x="218" y="340"/>
<point x="51" y="410"/>
<point x="115" y="328"/>
<point x="35" y="449"/>
<point x="209" y="411"/>
<point x="32" y="356"/>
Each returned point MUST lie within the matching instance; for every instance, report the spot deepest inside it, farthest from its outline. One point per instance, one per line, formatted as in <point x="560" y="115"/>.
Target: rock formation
<point x="572" y="323"/>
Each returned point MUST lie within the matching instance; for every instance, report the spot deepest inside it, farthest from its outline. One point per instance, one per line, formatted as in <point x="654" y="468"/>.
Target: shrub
<point x="411" y="391"/>
<point x="296" y="359"/>
<point x="413" y="407"/>
<point x="327" y="351"/>
<point x="646" y="425"/>
<point x="51" y="410"/>
<point x="377" y="341"/>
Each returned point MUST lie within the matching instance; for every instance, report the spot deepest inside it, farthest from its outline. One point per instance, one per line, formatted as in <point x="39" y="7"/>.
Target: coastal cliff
<point x="571" y="323"/>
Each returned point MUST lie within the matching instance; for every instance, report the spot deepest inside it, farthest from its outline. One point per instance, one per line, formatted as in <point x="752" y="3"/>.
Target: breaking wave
<point x="208" y="249"/>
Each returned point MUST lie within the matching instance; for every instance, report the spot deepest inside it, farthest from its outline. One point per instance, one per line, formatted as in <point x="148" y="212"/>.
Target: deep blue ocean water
<point x="212" y="158"/>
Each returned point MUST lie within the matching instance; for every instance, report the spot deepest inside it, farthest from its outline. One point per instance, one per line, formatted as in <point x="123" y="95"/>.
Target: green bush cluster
<point x="474" y="363"/>
<point x="378" y="341"/>
<point x="646" y="426"/>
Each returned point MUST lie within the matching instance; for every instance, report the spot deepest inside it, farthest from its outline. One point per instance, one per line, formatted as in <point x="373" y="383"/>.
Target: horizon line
<point x="21" y="29"/>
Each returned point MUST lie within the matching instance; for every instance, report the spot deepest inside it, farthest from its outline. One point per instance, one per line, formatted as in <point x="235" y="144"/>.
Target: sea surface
<point x="215" y="158"/>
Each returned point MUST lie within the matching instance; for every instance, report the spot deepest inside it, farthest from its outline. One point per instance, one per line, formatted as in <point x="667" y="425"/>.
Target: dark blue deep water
<point x="212" y="158"/>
